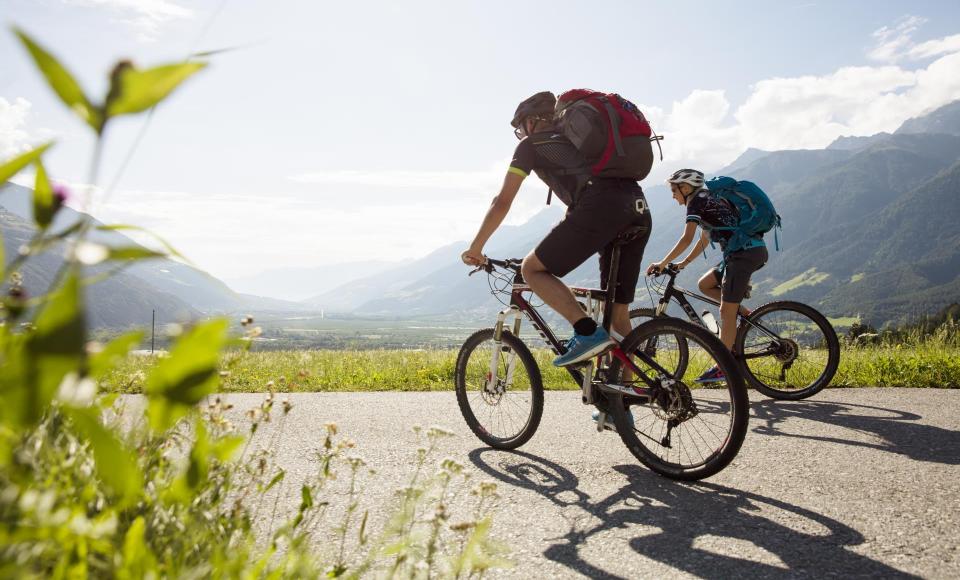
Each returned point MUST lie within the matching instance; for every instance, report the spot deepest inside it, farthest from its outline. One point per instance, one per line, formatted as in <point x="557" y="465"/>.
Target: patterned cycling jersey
<point x="709" y="212"/>
<point x="555" y="160"/>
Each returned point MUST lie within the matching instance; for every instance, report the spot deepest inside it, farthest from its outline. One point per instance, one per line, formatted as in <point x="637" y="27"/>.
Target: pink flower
<point x="60" y="195"/>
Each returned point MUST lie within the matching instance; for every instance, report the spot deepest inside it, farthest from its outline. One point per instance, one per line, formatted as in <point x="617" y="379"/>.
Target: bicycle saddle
<point x="630" y="234"/>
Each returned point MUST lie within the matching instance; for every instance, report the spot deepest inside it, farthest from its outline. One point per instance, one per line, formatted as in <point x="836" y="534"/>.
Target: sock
<point x="585" y="326"/>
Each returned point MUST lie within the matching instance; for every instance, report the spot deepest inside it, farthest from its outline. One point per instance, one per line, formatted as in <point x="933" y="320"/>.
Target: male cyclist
<point x="598" y="209"/>
<point x="728" y="283"/>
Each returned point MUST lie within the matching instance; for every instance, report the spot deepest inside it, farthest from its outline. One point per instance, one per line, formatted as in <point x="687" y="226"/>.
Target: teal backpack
<point x="757" y="214"/>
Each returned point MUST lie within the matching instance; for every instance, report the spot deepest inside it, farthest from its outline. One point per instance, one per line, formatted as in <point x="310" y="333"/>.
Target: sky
<point x="344" y="131"/>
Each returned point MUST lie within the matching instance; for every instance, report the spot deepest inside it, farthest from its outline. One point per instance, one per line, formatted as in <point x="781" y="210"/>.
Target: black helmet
<point x="539" y="105"/>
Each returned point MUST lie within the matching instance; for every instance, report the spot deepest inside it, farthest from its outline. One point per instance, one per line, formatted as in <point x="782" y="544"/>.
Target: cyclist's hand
<point x="654" y="269"/>
<point x="473" y="257"/>
<point x="680" y="265"/>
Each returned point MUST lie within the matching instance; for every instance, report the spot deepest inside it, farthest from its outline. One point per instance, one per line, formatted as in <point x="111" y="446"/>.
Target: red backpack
<point x="609" y="131"/>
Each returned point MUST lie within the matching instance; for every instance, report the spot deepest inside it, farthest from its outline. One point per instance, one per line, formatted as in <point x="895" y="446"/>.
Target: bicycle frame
<point x="597" y="304"/>
<point x="679" y="295"/>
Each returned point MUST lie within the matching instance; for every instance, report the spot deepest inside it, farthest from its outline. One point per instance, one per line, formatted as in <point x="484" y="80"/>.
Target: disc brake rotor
<point x="673" y="401"/>
<point x="788" y="351"/>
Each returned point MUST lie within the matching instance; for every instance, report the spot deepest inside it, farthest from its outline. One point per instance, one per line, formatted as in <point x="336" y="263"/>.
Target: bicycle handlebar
<point x="488" y="266"/>
<point x="669" y="270"/>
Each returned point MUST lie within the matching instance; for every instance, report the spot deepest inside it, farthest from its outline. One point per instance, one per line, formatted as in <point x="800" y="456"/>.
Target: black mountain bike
<point x="787" y="350"/>
<point x="672" y="427"/>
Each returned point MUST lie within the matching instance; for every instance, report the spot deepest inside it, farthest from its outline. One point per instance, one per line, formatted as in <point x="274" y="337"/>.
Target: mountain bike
<point x="786" y="350"/>
<point x="667" y="423"/>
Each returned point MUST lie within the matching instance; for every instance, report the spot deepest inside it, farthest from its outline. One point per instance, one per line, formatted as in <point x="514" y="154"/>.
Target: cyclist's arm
<point x="701" y="246"/>
<point x="498" y="209"/>
<point x="689" y="231"/>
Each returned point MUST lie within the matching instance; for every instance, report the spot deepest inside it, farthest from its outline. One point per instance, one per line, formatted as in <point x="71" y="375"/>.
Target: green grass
<point x="809" y="278"/>
<point x="930" y="364"/>
<point x="843" y="321"/>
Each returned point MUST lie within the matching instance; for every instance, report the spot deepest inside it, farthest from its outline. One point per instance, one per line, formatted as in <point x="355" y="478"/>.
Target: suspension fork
<point x="514" y="312"/>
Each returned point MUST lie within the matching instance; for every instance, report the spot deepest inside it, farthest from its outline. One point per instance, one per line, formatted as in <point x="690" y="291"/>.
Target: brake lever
<point x="486" y="267"/>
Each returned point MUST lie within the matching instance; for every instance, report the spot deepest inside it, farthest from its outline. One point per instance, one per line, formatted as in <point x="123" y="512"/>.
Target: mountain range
<point x="176" y="291"/>
<point x="869" y="231"/>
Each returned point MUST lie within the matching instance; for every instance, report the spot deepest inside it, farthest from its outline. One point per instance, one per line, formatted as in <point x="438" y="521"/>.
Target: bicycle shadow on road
<point x="899" y="430"/>
<point x="689" y="517"/>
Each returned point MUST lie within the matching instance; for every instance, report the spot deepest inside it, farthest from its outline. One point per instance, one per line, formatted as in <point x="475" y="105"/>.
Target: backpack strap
<point x="614" y="126"/>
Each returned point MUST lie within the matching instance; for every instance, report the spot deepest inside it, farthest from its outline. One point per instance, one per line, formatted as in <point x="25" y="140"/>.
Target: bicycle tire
<point x="729" y="443"/>
<point x="766" y="386"/>
<point x="644" y="314"/>
<point x="532" y="421"/>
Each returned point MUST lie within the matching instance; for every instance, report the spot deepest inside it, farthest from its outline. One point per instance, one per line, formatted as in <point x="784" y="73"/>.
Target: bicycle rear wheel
<point x="499" y="389"/>
<point x="679" y="429"/>
<point x="799" y="361"/>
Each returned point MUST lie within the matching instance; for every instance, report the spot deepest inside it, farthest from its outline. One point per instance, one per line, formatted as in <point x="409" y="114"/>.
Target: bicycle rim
<point x="799" y="361"/>
<point x="684" y="431"/>
<point x="499" y="389"/>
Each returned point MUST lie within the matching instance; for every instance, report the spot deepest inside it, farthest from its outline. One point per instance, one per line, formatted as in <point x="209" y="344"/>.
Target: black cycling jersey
<point x="711" y="212"/>
<point x="555" y="160"/>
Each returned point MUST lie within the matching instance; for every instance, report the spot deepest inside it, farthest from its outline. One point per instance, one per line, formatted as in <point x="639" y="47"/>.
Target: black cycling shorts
<point x="738" y="268"/>
<point x="599" y="213"/>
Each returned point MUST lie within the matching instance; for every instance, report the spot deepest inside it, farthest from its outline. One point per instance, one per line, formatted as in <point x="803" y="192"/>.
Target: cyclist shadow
<point x="688" y="516"/>
<point x="897" y="430"/>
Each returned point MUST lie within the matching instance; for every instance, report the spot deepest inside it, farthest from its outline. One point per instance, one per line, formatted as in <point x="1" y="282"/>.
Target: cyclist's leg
<point x="736" y="278"/>
<point x="585" y="230"/>
<point x="550" y="288"/>
<point x="709" y="286"/>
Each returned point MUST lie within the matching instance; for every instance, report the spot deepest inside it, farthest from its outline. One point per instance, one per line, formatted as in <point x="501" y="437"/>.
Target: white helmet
<point x="689" y="176"/>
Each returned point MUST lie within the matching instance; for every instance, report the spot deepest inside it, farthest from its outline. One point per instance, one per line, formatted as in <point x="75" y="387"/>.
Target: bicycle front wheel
<point x="499" y="389"/>
<point x="679" y="429"/>
<point x="788" y="350"/>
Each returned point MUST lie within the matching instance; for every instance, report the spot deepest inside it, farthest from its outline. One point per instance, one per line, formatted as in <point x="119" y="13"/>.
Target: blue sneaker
<point x="608" y="423"/>
<point x="580" y="347"/>
<point x="711" y="375"/>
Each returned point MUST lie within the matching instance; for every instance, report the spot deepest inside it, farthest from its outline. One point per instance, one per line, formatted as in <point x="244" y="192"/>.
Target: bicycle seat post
<point x="611" y="285"/>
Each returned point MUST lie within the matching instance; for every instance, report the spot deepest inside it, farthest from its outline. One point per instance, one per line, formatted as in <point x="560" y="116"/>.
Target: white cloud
<point x="468" y="180"/>
<point x="892" y="43"/>
<point x="232" y="236"/>
<point x="13" y="126"/>
<point x="144" y="16"/>
<point x="936" y="47"/>
<point x="810" y="111"/>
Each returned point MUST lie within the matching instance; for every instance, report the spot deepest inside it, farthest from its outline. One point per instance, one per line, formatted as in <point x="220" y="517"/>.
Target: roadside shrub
<point x="91" y="486"/>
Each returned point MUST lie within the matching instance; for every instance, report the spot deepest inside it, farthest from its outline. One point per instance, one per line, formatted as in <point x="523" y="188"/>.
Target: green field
<point x="932" y="364"/>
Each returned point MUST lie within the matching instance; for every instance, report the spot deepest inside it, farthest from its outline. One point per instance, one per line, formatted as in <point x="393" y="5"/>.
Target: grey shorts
<point x="735" y="277"/>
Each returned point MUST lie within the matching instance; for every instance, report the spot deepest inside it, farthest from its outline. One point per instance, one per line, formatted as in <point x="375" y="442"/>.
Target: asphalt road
<point x="854" y="482"/>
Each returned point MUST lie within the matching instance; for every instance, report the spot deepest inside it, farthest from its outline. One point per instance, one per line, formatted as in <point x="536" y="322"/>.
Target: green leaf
<point x="62" y="82"/>
<point x="306" y="498"/>
<point x="113" y="353"/>
<point x="133" y="253"/>
<point x="276" y="479"/>
<point x="227" y="446"/>
<point x="199" y="464"/>
<point x="56" y="346"/>
<point x="138" y="559"/>
<point x="115" y="463"/>
<point x="3" y="259"/>
<point x="140" y="90"/>
<point x="126" y="227"/>
<point x="187" y="375"/>
<point x="13" y="167"/>
<point x="43" y="208"/>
